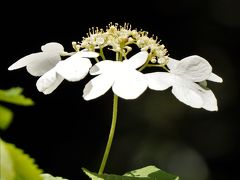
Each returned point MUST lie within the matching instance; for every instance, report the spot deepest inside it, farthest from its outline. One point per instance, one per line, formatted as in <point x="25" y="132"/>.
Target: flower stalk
<point x="111" y="135"/>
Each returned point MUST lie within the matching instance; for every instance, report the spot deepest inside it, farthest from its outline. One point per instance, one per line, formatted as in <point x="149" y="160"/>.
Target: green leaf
<point x="14" y="96"/>
<point x="50" y="177"/>
<point x="152" y="172"/>
<point x="6" y="164"/>
<point x="22" y="166"/>
<point x="146" y="173"/>
<point x="6" y="116"/>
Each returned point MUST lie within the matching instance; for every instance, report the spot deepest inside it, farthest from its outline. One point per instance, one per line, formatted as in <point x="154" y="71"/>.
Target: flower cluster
<point x="121" y="38"/>
<point x="187" y="77"/>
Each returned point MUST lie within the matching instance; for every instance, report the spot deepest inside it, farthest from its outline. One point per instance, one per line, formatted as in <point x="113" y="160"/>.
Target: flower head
<point x="187" y="77"/>
<point x="122" y="76"/>
<point x="183" y="77"/>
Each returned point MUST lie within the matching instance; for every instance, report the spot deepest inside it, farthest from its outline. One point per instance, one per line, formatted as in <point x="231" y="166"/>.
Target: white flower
<point x="39" y="63"/>
<point x="182" y="77"/>
<point x="73" y="68"/>
<point x="122" y="76"/>
<point x="52" y="70"/>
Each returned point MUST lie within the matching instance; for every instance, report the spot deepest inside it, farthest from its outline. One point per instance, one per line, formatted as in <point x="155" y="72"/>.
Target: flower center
<point x="122" y="39"/>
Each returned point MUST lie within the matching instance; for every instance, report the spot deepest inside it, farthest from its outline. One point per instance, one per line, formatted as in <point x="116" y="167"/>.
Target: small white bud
<point x="153" y="60"/>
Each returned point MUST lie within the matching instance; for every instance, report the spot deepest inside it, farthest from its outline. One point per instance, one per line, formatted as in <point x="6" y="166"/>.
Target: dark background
<point x="63" y="133"/>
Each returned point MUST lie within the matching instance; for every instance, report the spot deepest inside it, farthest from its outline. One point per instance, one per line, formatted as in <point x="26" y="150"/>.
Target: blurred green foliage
<point x="13" y="96"/>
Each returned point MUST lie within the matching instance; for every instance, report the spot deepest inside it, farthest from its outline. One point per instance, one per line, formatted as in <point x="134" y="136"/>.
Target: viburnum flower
<point x="187" y="77"/>
<point x="184" y="76"/>
<point x="39" y="63"/>
<point x="72" y="69"/>
<point x="122" y="76"/>
<point x="54" y="70"/>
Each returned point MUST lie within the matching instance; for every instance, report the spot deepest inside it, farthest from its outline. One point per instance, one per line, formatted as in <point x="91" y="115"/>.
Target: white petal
<point x="74" y="68"/>
<point x="49" y="82"/>
<point x="43" y="63"/>
<point x="26" y="60"/>
<point x="172" y="63"/>
<point x="53" y="47"/>
<point x="194" y="68"/>
<point x="215" y="78"/>
<point x="160" y="80"/>
<point x="209" y="100"/>
<point x="130" y="85"/>
<point x="137" y="60"/>
<point x="103" y="67"/>
<point x="88" y="54"/>
<point x="189" y="96"/>
<point x="97" y="86"/>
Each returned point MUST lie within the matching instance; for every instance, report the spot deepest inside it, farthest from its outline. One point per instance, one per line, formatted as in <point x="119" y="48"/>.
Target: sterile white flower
<point x="39" y="63"/>
<point x="122" y="76"/>
<point x="73" y="68"/>
<point x="52" y="70"/>
<point x="183" y="77"/>
<point x="196" y="62"/>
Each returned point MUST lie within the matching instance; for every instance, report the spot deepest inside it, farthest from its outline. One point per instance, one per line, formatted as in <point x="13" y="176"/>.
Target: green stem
<point x="102" y="54"/>
<point x="145" y="64"/>
<point x="111" y="134"/>
<point x="96" y="59"/>
<point x="117" y="54"/>
<point x="120" y="56"/>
